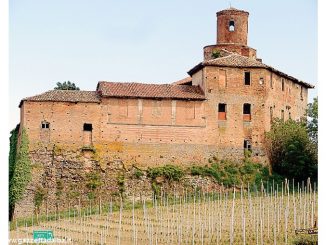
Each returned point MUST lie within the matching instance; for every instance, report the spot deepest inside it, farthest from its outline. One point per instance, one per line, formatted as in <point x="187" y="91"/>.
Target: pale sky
<point x="145" y="41"/>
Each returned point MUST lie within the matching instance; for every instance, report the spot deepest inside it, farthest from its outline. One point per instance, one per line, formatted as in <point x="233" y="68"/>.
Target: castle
<point x="223" y="108"/>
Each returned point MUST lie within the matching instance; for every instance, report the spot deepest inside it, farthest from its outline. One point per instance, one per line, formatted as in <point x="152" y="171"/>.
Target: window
<point x="45" y="125"/>
<point x="282" y="84"/>
<point x="247" y="78"/>
<point x="271" y="113"/>
<point x="271" y="81"/>
<point x="221" y="111"/>
<point x="261" y="81"/>
<point x="231" y="25"/>
<point x="282" y="115"/>
<point x="247" y="145"/>
<point x="88" y="127"/>
<point x="246" y="112"/>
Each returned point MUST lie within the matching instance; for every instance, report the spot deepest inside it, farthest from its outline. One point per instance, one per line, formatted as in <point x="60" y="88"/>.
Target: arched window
<point x="231" y="25"/>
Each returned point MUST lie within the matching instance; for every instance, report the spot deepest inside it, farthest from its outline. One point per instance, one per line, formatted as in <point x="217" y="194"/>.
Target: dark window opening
<point x="247" y="112"/>
<point x="271" y="80"/>
<point x="247" y="78"/>
<point x="231" y="25"/>
<point x="271" y="113"/>
<point x="282" y="115"/>
<point x="247" y="145"/>
<point x="246" y="109"/>
<point x="282" y="84"/>
<point x="45" y="125"/>
<point x="221" y="111"/>
<point x="88" y="127"/>
<point x="290" y="117"/>
<point x="221" y="107"/>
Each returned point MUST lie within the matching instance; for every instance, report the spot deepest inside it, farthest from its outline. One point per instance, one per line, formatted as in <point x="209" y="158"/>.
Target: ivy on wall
<point x="20" y="167"/>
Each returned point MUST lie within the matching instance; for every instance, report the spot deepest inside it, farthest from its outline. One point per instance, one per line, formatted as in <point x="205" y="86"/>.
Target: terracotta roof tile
<point x="185" y="81"/>
<point x="141" y="90"/>
<point x="65" y="96"/>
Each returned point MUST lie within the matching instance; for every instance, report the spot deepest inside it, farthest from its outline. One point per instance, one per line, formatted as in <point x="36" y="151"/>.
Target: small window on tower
<point x="231" y="25"/>
<point x="282" y="84"/>
<point x="247" y="78"/>
<point x="45" y="125"/>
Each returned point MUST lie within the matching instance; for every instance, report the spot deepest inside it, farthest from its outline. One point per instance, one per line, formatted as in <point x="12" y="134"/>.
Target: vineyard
<point x="269" y="214"/>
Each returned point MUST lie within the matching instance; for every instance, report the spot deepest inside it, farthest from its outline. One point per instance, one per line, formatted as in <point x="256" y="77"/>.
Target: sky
<point x="145" y="41"/>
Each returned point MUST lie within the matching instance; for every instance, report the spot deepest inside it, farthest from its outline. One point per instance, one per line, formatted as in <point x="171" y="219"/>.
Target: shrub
<point x="170" y="172"/>
<point x="138" y="173"/>
<point x="39" y="197"/>
<point x="216" y="54"/>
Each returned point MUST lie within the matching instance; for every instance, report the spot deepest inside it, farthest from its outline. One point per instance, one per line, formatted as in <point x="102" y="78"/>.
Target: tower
<point x="232" y="27"/>
<point x="232" y="34"/>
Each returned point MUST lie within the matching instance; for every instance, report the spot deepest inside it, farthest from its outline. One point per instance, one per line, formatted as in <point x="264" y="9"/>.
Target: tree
<point x="291" y="151"/>
<point x="312" y="123"/>
<point x="66" y="86"/>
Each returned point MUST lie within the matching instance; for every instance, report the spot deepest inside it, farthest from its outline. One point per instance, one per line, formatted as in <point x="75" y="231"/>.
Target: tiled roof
<point x="236" y="60"/>
<point x="185" y="81"/>
<point x="65" y="96"/>
<point x="142" y="90"/>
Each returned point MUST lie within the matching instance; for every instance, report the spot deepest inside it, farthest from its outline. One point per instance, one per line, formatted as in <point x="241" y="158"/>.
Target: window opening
<point x="282" y="84"/>
<point x="45" y="125"/>
<point x="271" y="113"/>
<point x="231" y="25"/>
<point x="221" y="111"/>
<point x="88" y="127"/>
<point x="282" y="115"/>
<point x="246" y="112"/>
<point x="247" y="78"/>
<point x="247" y="145"/>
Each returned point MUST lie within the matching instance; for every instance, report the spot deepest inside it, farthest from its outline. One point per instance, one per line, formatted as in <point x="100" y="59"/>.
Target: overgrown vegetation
<point x="306" y="240"/>
<point x="93" y="181"/>
<point x="216" y="54"/>
<point x="291" y="151"/>
<point x="20" y="168"/>
<point x="229" y="173"/>
<point x="121" y="183"/>
<point x="39" y="197"/>
<point x="169" y="172"/>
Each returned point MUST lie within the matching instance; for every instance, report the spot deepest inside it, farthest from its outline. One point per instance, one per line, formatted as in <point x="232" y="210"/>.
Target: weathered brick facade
<point x="225" y="107"/>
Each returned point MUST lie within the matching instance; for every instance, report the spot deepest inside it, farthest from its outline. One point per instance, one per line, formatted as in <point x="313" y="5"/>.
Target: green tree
<point x="312" y="123"/>
<point x="291" y="151"/>
<point x="66" y="86"/>
<point x="20" y="172"/>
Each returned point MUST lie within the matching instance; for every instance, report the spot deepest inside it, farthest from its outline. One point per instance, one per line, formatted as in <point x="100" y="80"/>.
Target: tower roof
<point x="231" y="10"/>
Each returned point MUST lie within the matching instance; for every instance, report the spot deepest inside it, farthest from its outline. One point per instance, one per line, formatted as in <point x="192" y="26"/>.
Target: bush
<point x="138" y="173"/>
<point x="39" y="197"/>
<point x="229" y="173"/>
<point x="306" y="240"/>
<point x="170" y="172"/>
